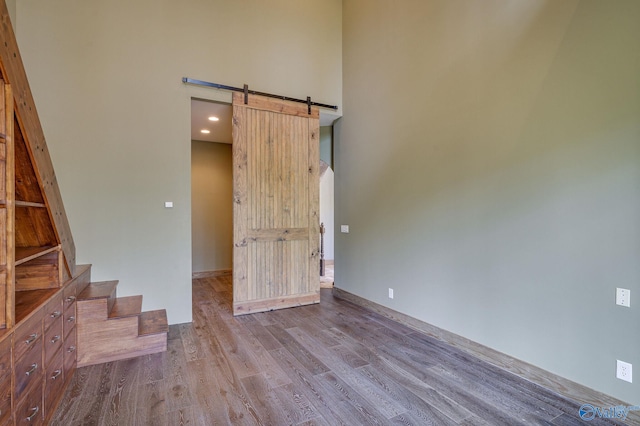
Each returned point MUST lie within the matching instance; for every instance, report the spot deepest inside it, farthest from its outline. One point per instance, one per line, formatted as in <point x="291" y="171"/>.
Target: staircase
<point x="111" y="328"/>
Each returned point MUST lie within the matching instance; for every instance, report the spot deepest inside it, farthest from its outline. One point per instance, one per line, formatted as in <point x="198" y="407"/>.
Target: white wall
<point x="326" y="212"/>
<point x="106" y="78"/>
<point x="211" y="206"/>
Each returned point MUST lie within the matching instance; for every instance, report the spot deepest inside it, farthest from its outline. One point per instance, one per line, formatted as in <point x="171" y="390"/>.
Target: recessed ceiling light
<point x="213" y="118"/>
<point x="205" y="131"/>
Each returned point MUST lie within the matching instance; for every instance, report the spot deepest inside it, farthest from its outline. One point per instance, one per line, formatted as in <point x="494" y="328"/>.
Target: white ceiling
<point x="220" y="131"/>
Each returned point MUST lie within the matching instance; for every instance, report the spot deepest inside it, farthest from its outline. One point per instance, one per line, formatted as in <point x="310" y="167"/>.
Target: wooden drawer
<point x="54" y="381"/>
<point x="53" y="340"/>
<point x="28" y="369"/>
<point x="5" y="400"/>
<point x="27" y="335"/>
<point x="53" y="311"/>
<point x="69" y="318"/>
<point x="70" y="352"/>
<point x="29" y="411"/>
<point x="5" y="358"/>
<point x="69" y="295"/>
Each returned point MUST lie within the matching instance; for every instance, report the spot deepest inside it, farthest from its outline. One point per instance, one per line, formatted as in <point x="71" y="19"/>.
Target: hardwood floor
<point x="330" y="364"/>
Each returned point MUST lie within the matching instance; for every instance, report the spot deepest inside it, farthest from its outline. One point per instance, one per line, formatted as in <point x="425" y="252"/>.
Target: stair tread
<point x="98" y="290"/>
<point x="153" y="322"/>
<point x="126" y="307"/>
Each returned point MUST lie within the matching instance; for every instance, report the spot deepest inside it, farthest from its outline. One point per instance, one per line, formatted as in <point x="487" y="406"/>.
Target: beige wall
<point x="106" y="78"/>
<point x="488" y="164"/>
<point x="211" y="206"/>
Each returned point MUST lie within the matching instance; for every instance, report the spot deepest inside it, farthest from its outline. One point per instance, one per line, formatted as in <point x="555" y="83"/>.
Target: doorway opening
<point x="211" y="188"/>
<point x="326" y="204"/>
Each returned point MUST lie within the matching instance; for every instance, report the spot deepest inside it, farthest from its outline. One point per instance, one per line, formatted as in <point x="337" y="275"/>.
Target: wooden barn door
<point x="276" y="204"/>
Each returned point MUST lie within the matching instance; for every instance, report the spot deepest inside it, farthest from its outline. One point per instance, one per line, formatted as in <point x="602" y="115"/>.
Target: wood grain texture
<point x="8" y="236"/>
<point x="110" y="328"/>
<point x="39" y="273"/>
<point x="276" y="198"/>
<point x="252" y="306"/>
<point x="537" y="377"/>
<point x="126" y="307"/>
<point x="277" y="106"/>
<point x="335" y="363"/>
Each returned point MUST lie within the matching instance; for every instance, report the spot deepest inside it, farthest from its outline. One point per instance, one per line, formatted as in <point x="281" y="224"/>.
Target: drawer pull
<point x="34" y="367"/>
<point x="71" y="349"/>
<point x="56" y="374"/>
<point x="56" y="314"/>
<point x="33" y="415"/>
<point x="55" y="338"/>
<point x="71" y="319"/>
<point x="70" y="299"/>
<point x="32" y="338"/>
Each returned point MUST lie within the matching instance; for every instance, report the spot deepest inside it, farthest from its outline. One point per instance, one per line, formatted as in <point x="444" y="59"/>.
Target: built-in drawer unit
<point x="70" y="351"/>
<point x="69" y="295"/>
<point x="29" y="410"/>
<point x="5" y="358"/>
<point x="5" y="381"/>
<point x="28" y="369"/>
<point x="54" y="382"/>
<point x="5" y="400"/>
<point x="53" y="311"/>
<point x="53" y="340"/>
<point x="38" y="355"/>
<point x="69" y="318"/>
<point x="27" y="335"/>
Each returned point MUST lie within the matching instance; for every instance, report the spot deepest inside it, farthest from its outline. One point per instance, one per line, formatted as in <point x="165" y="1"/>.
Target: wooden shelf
<point x="29" y="204"/>
<point x="29" y="301"/>
<point x="3" y="203"/>
<point x="25" y="254"/>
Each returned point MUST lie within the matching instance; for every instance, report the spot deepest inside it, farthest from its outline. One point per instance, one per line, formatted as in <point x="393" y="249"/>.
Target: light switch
<point x="168" y="204"/>
<point x="344" y="229"/>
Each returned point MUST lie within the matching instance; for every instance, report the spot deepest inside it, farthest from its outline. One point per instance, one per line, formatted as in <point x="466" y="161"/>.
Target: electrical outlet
<point x="624" y="371"/>
<point x="390" y="293"/>
<point x="344" y="229"/>
<point x="623" y="297"/>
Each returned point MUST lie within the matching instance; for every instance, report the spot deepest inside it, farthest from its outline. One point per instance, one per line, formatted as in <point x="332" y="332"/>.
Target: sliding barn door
<point x="276" y="204"/>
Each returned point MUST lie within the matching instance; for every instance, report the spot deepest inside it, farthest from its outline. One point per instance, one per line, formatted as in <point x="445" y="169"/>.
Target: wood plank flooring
<point x="330" y="364"/>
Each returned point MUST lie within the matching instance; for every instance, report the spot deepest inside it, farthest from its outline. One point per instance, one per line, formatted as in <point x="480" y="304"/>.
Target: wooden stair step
<point x="153" y="322"/>
<point x="99" y="290"/>
<point x="129" y="306"/>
